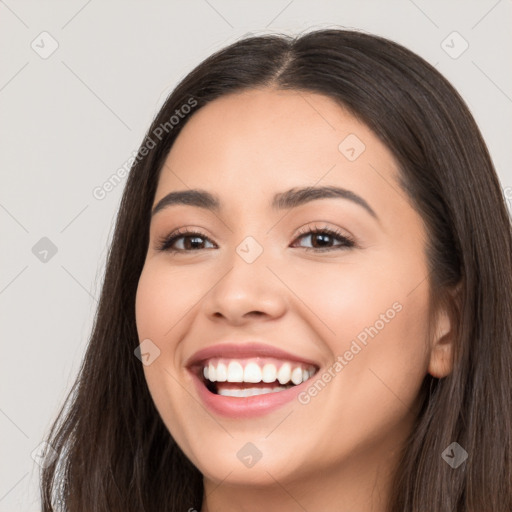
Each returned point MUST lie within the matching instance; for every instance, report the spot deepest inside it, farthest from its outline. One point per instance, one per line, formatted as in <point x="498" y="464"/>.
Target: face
<point x="317" y="303"/>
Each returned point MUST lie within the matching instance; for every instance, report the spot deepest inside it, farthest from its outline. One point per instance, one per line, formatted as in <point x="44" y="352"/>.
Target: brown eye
<point x="322" y="238"/>
<point x="192" y="241"/>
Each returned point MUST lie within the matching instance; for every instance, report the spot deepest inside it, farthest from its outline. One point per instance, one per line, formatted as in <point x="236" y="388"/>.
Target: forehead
<point x="247" y="146"/>
<point x="261" y="122"/>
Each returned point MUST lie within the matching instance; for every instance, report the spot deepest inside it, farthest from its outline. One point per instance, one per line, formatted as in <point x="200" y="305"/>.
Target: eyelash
<point x="165" y="243"/>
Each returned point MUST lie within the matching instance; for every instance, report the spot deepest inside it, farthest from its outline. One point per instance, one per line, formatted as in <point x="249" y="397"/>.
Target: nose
<point x="247" y="291"/>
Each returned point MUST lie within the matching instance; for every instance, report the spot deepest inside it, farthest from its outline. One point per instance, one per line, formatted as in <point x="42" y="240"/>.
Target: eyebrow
<point x="282" y="201"/>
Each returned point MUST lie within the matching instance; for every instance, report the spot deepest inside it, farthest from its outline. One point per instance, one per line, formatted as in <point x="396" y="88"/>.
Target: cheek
<point x="159" y="308"/>
<point x="375" y="318"/>
<point x="345" y="298"/>
<point x="163" y="297"/>
<point x="380" y="289"/>
<point x="158" y="311"/>
<point x="378" y="347"/>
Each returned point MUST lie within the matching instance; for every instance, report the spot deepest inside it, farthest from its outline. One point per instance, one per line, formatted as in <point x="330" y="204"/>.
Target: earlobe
<point x="441" y="360"/>
<point x="443" y="344"/>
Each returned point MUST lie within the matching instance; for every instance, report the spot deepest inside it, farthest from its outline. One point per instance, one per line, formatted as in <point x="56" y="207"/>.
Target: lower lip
<point x="248" y="406"/>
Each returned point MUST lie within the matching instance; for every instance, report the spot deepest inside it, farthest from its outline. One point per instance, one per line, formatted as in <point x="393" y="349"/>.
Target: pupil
<point x="195" y="240"/>
<point x="324" y="237"/>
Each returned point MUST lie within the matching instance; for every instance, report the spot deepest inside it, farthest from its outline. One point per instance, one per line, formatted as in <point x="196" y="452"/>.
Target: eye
<point x="322" y="237"/>
<point x="194" y="240"/>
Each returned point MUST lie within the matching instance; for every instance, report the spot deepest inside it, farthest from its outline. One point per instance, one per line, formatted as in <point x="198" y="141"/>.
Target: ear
<point x="445" y="337"/>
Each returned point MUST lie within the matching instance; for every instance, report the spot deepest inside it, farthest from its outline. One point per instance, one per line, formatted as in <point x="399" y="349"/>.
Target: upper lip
<point x="230" y="350"/>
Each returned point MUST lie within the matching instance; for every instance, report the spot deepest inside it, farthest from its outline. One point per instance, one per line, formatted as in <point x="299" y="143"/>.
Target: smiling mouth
<point x="252" y="376"/>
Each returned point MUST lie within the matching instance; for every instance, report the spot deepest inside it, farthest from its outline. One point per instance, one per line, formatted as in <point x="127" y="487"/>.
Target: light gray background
<point x="70" y="120"/>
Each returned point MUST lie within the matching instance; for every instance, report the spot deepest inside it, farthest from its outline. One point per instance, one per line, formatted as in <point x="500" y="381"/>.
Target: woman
<point x="312" y="262"/>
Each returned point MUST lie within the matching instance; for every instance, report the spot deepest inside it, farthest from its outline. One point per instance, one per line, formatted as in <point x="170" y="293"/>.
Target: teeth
<point x="222" y="373"/>
<point x="252" y="373"/>
<point x="284" y="373"/>
<point x="234" y="371"/>
<point x="269" y="373"/>
<point x="297" y="375"/>
<point x="249" y="391"/>
<point x="212" y="372"/>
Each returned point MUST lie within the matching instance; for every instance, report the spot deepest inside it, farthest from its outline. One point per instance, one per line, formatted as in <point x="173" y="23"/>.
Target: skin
<point x="339" y="451"/>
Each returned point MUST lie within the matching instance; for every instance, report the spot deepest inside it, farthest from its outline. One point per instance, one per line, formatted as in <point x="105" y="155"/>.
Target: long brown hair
<point x="115" y="453"/>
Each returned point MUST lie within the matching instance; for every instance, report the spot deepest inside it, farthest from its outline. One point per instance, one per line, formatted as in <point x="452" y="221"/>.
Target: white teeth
<point x="288" y="373"/>
<point x="249" y="391"/>
<point x="212" y="372"/>
<point x="222" y="373"/>
<point x="235" y="372"/>
<point x="269" y="373"/>
<point x="297" y="375"/>
<point x="252" y="373"/>
<point x="284" y="373"/>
